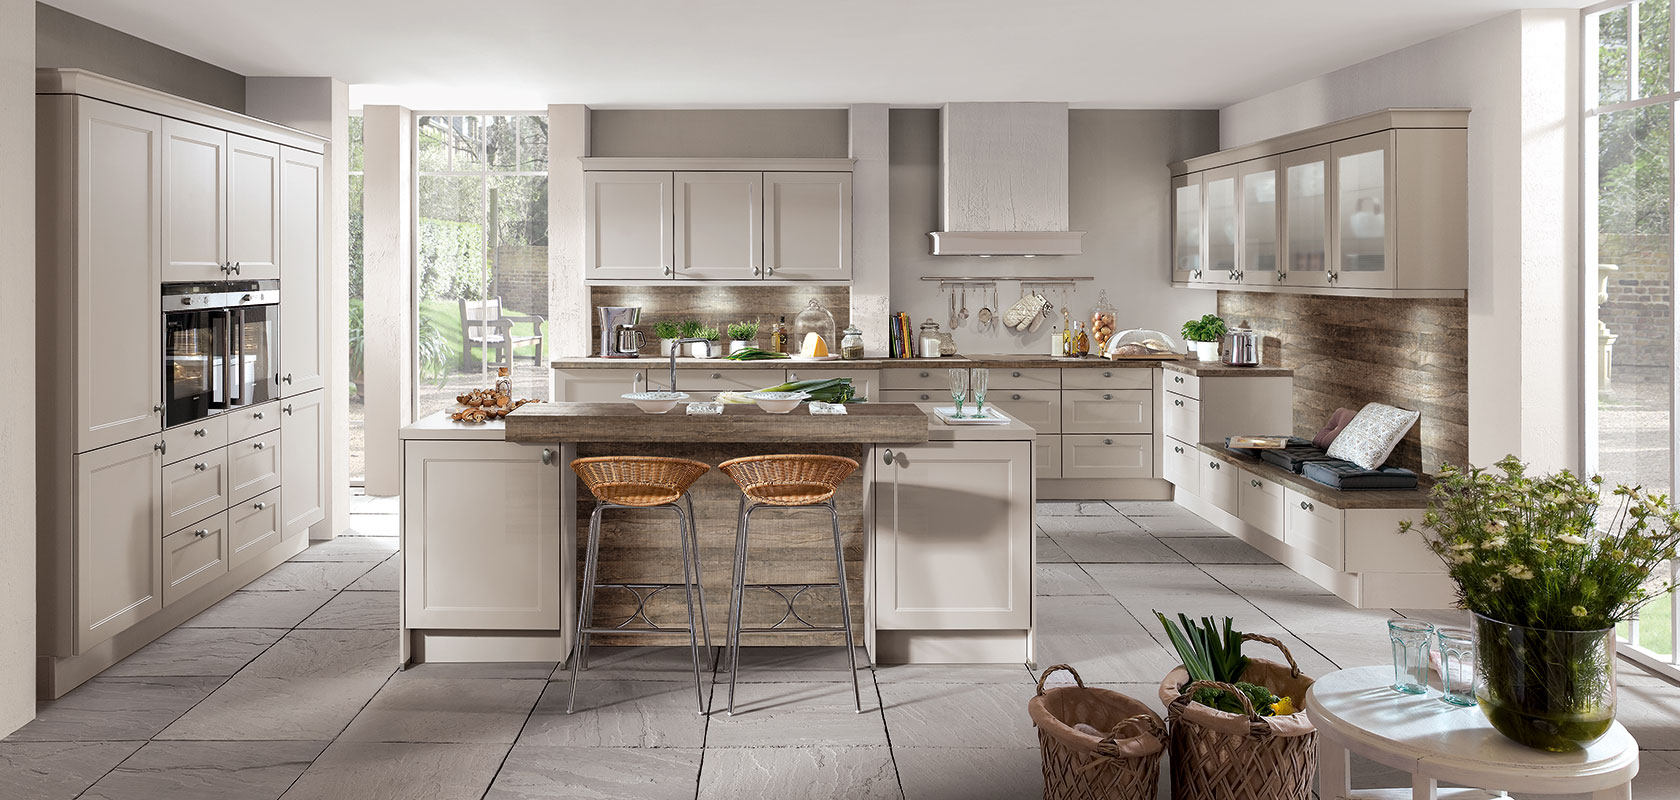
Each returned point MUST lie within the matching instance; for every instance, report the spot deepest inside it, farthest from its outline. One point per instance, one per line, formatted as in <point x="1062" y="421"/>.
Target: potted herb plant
<point x="691" y="329"/>
<point x="707" y="348"/>
<point x="1204" y="334"/>
<point x="743" y="335"/>
<point x="1547" y="580"/>
<point x="668" y="333"/>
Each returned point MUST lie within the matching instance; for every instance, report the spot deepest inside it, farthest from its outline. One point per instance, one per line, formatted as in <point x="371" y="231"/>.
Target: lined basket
<point x="638" y="480"/>
<point x="1217" y="755"/>
<point x="1123" y="764"/>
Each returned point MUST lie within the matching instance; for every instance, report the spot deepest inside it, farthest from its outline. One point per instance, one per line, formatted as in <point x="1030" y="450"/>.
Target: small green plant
<point x="667" y="330"/>
<point x="709" y="333"/>
<point x="1212" y="652"/>
<point x="690" y="329"/>
<point x="1210" y="328"/>
<point x="743" y="331"/>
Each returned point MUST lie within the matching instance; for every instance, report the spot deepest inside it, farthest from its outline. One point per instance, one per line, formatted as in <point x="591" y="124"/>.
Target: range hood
<point x="1003" y="181"/>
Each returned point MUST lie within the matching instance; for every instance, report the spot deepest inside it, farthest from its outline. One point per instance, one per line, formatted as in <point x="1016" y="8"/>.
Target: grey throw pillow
<point x="1372" y="435"/>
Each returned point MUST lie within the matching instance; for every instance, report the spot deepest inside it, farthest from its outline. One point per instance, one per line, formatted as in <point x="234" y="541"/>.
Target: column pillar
<point x="388" y="298"/>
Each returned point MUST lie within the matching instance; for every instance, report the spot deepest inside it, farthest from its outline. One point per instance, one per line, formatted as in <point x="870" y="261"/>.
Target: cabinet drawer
<point x="724" y="379"/>
<point x="194" y="488"/>
<point x="1178" y="465"/>
<point x="864" y="382"/>
<point x="939" y="395"/>
<point x="193" y="557"/>
<point x="1040" y="408"/>
<point x="924" y="378"/>
<point x="1181" y="418"/>
<point x="1260" y="503"/>
<point x="1118" y="378"/>
<point x="253" y="466"/>
<point x="253" y="526"/>
<point x="601" y="385"/>
<point x="1118" y="456"/>
<point x="194" y="438"/>
<point x="1218" y="483"/>
<point x="1179" y="383"/>
<point x="1048" y="450"/>
<point x="1117" y="411"/>
<point x="1021" y="378"/>
<point x="243" y="423"/>
<point x="1312" y="528"/>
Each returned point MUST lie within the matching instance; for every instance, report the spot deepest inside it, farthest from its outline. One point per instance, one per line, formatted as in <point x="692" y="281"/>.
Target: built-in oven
<point x="221" y="345"/>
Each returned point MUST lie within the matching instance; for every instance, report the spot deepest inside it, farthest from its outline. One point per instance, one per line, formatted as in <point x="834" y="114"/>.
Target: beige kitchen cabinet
<point x="1049" y="455"/>
<point x="253" y="527"/>
<point x="1116" y="411"/>
<point x="915" y="395"/>
<point x="928" y="380"/>
<point x="600" y="385"/>
<point x="193" y="439"/>
<point x="303" y="347"/>
<point x="1179" y="466"/>
<point x="194" y="488"/>
<point x="248" y="421"/>
<point x="490" y="512"/>
<point x="195" y="182"/>
<point x="254" y="466"/>
<point x="808" y="226"/>
<point x="1219" y="215"/>
<point x="253" y="207"/>
<point x="1187" y="230"/>
<point x="303" y="457"/>
<point x="702" y="381"/>
<point x="628" y="225"/>
<point x="865" y="383"/>
<point x="1197" y="409"/>
<point x="1112" y="456"/>
<point x="1313" y="528"/>
<point x="1306" y="217"/>
<point x="1362" y="174"/>
<point x="194" y="556"/>
<point x="953" y="536"/>
<point x="718" y="223"/>
<point x="1260" y="504"/>
<point x="1400" y="210"/>
<point x="1218" y="484"/>
<point x="99" y="251"/>
<point x="119" y="513"/>
<point x="1257" y="210"/>
<point x="1040" y="408"/>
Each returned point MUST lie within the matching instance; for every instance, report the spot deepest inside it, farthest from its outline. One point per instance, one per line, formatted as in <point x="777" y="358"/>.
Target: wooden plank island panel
<point x="865" y="423"/>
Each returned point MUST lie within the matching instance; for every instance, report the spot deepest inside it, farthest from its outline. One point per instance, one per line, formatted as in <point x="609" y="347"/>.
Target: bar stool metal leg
<point x="699" y="582"/>
<point x="845" y="603"/>
<point x="737" y="590"/>
<point x="688" y="589"/>
<point x="586" y="602"/>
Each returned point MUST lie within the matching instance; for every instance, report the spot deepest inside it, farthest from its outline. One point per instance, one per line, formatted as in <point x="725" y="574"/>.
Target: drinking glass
<point x="959" y="388"/>
<point x="1458" y="665"/>
<point x="977" y="385"/>
<point x="1410" y="638"/>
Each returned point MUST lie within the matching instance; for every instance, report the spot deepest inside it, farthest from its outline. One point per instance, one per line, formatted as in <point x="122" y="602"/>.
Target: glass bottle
<point x="779" y="336"/>
<point x="504" y="383"/>
<point x="1081" y="340"/>
<point x="851" y="344"/>
<point x="1067" y="342"/>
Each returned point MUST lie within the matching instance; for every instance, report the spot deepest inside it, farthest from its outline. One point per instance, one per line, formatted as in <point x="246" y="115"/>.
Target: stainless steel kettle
<point x="1242" y="348"/>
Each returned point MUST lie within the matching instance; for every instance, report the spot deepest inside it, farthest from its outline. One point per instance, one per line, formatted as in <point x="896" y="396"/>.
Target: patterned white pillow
<point x="1372" y="435"/>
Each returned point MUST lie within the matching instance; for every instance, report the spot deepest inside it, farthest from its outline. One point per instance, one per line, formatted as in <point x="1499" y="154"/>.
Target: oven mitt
<point x="1020" y="314"/>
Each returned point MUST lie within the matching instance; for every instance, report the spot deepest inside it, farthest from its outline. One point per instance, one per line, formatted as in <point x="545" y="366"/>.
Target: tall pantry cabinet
<point x="142" y="527"/>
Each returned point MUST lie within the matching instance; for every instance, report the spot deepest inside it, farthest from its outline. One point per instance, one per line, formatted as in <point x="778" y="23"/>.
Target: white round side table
<point x="1356" y="711"/>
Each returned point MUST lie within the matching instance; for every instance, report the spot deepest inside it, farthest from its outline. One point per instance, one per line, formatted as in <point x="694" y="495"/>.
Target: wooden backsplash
<point x="717" y="306"/>
<point x="1349" y="351"/>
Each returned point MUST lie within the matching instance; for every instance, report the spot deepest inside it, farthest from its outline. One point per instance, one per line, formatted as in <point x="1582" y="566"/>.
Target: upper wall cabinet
<point x="303" y="348"/>
<point x="1375" y="205"/>
<point x="717" y="219"/>
<point x="221" y="204"/>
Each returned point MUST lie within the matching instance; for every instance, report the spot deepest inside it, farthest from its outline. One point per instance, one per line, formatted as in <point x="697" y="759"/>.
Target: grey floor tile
<point x="1151" y="508"/>
<point x="795" y="715"/>
<point x="952" y="673"/>
<point x="116" y="709"/>
<point x="490" y="671"/>
<point x="597" y="773"/>
<point x="1649" y="712"/>
<point x="351" y="548"/>
<point x="641" y="663"/>
<point x="208" y="771"/>
<point x="446" y="710"/>
<point x="356" y="611"/>
<point x="1049" y="552"/>
<point x="407" y="771"/>
<point x="1085" y="508"/>
<point x="57" y="770"/>
<point x="796" y="665"/>
<point x="261" y="709"/>
<point x="1108" y="524"/>
<point x="1256" y="581"/>
<point x="310" y="576"/>
<point x="204" y="652"/>
<point x="1217" y="550"/>
<point x="823" y="772"/>
<point x="1059" y="579"/>
<point x="1173" y="526"/>
<point x="361" y="504"/>
<point x="1083" y="614"/>
<point x="959" y="715"/>
<point x="375" y="525"/>
<point x="387" y="577"/>
<point x="1108" y="658"/>
<point x="1162" y="585"/>
<point x="620" y="713"/>
<point x="929" y="773"/>
<point x="329" y="654"/>
<point x="1115" y="548"/>
<point x="260" y="610"/>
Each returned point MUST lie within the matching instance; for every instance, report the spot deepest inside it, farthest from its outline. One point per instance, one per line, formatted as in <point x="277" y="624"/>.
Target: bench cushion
<point x="1348" y="476"/>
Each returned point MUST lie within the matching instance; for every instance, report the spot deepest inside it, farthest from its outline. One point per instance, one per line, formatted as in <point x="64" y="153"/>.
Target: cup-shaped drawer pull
<point x="1213" y="465"/>
<point x="256" y="415"/>
<point x="200" y="432"/>
<point x="1108" y="397"/>
<point x="924" y="374"/>
<point x="1014" y="397"/>
<point x="927" y="397"/>
<point x="201" y="533"/>
<point x="201" y="466"/>
<point x="1016" y="374"/>
<point x="1178" y="379"/>
<point x="1306" y="506"/>
<point x="258" y="446"/>
<point x="1108" y="441"/>
<point x="259" y="506"/>
<point x="1179" y="403"/>
<point x="1179" y="449"/>
<point x="1254" y="483"/>
<point x="716" y="375"/>
<point x="1107" y="374"/>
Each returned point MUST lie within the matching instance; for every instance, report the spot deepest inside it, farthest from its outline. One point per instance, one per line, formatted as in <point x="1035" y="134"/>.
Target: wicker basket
<point x="638" y="480"/>
<point x="1123" y="764"/>
<point x="789" y="480"/>
<point x="1222" y="756"/>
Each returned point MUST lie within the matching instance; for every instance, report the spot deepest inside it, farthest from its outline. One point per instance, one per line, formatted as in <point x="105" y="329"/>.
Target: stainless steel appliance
<point x="221" y="345"/>
<point x="619" y="337"/>
<point x="1242" y="348"/>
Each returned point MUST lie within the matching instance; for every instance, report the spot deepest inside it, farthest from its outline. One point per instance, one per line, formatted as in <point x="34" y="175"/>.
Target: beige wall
<point x="66" y="40"/>
<point x="719" y="133"/>
<point x="17" y="359"/>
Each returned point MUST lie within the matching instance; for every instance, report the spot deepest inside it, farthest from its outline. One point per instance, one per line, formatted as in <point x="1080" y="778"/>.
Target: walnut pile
<point x="486" y="404"/>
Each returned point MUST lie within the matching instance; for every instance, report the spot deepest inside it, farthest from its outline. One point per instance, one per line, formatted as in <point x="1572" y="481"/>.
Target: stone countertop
<point x="869" y="423"/>
<point x="1336" y="498"/>
<point x="997" y="361"/>
<point x="1216" y="369"/>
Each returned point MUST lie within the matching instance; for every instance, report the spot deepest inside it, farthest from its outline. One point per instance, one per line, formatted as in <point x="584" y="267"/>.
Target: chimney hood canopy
<point x="1003" y="187"/>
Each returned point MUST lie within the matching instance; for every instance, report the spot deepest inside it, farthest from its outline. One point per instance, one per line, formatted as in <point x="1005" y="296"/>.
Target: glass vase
<point x="1550" y="690"/>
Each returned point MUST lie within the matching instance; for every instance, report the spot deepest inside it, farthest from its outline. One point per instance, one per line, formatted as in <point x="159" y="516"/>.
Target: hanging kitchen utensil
<point x="953" y="308"/>
<point x="985" y="314"/>
<point x="964" y="305"/>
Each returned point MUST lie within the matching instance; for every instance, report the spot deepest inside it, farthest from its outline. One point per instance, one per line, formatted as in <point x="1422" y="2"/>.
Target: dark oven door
<point x="253" y="353"/>
<point x="194" y="367"/>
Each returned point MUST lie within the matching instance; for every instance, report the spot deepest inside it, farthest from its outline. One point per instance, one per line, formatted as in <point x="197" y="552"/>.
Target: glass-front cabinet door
<point x="1187" y="228"/>
<point x="1306" y="216"/>
<point x="1219" y="193"/>
<point x="1362" y="172"/>
<point x="1257" y="184"/>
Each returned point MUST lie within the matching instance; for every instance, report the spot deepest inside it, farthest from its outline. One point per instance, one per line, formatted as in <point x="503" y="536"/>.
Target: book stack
<point x="899" y="341"/>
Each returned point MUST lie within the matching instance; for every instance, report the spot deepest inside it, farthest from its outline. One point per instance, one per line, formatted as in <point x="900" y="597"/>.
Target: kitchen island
<point x="937" y="527"/>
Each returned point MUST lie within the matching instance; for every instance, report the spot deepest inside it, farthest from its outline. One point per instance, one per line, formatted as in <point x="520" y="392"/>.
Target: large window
<point x="481" y="256"/>
<point x="1629" y="243"/>
<point x="358" y="428"/>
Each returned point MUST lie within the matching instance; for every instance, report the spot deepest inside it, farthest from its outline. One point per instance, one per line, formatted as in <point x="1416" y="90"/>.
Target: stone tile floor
<point x="290" y="689"/>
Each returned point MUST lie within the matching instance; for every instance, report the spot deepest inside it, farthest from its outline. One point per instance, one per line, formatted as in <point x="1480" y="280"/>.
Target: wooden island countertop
<point x="863" y="423"/>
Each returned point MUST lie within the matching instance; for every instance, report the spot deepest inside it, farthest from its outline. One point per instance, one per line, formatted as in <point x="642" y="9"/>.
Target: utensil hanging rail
<point x="949" y="280"/>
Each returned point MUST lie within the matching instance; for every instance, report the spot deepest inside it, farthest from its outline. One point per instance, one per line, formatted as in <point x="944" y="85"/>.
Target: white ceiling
<point x="520" y="54"/>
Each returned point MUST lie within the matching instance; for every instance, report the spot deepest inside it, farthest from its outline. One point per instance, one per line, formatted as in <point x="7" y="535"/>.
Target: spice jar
<point x="1102" y="323"/>
<point x="929" y="341"/>
<point x="851" y="344"/>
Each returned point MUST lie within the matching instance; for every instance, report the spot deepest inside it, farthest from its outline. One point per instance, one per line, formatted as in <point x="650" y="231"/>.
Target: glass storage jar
<point x="814" y="319"/>
<point x="851" y="343"/>
<point x="1102" y="323"/>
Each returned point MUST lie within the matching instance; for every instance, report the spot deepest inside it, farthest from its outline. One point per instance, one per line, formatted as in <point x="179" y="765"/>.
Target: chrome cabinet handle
<point x="1213" y="465"/>
<point x="161" y="447"/>
<point x="1281" y="276"/>
<point x="1108" y="397"/>
<point x="201" y="466"/>
<point x="547" y="456"/>
<point x="1014" y="397"/>
<point x="256" y="415"/>
<point x="1177" y="449"/>
<point x="925" y="397"/>
<point x="888" y="457"/>
<point x="1254" y="483"/>
<point x="1108" y="441"/>
<point x="793" y="376"/>
<point x="667" y="270"/>
<point x="259" y="506"/>
<point x="288" y="379"/>
<point x="716" y="375"/>
<point x="757" y="271"/>
<point x="1015" y="374"/>
<point x="157" y="409"/>
<point x="1178" y="379"/>
<point x="201" y="532"/>
<point x="924" y="375"/>
<point x="770" y="269"/>
<point x="259" y="445"/>
<point x="1306" y="506"/>
<point x="200" y="432"/>
<point x="287" y="409"/>
<point x="1179" y="403"/>
<point x="1108" y="374"/>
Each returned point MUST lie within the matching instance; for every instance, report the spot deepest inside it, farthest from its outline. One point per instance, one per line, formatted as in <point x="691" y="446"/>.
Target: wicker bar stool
<point x="640" y="482"/>
<point x="787" y="481"/>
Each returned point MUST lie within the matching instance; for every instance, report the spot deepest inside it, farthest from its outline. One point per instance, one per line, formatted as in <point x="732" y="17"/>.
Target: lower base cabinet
<point x="253" y="526"/>
<point x="194" y="556"/>
<point x="119" y="538"/>
<point x="303" y="462"/>
<point x="486" y="516"/>
<point x="1116" y="456"/>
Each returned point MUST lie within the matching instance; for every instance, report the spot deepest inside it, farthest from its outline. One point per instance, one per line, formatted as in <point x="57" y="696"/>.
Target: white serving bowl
<point x="655" y="402"/>
<point x="777" y="402"/>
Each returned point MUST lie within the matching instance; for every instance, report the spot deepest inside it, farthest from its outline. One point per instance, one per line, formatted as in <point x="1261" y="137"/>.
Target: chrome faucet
<point x="678" y="345"/>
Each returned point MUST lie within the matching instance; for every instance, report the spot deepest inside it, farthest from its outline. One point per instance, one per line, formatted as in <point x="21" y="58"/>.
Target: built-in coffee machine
<point x="619" y="337"/>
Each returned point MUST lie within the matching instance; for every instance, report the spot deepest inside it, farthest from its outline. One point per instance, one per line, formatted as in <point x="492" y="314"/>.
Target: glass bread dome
<point x="814" y="319"/>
